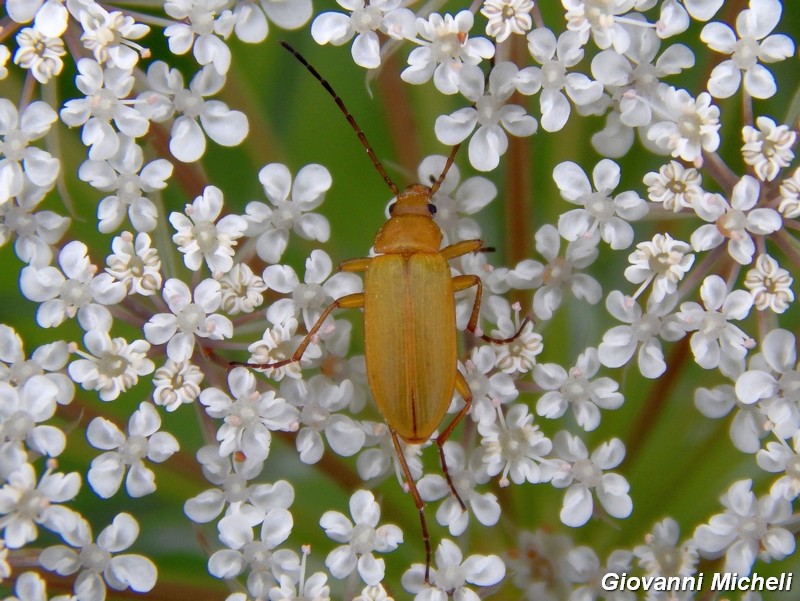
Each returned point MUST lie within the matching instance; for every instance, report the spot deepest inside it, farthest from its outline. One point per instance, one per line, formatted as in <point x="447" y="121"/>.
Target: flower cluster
<point x="159" y="255"/>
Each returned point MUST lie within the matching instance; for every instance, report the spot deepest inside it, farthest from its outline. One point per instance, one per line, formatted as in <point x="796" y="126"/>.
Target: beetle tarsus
<point x="516" y="335"/>
<point x="462" y="386"/>
<point x="447" y="477"/>
<point x="273" y="365"/>
<point x="412" y="487"/>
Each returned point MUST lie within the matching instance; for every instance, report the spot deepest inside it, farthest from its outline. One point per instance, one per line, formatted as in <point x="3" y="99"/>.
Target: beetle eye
<point x="391" y="208"/>
<point x="432" y="209"/>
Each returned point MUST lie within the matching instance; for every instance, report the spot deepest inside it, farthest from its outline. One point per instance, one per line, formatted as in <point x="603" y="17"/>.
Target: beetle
<point x="410" y="340"/>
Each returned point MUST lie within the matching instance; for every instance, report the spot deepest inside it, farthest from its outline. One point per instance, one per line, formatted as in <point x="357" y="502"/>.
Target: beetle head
<point x="411" y="227"/>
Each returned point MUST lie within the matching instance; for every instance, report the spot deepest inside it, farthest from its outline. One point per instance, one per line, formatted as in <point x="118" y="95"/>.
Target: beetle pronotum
<point x="408" y="295"/>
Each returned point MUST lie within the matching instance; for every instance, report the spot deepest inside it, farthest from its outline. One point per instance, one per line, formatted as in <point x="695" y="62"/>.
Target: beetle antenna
<point x="350" y="119"/>
<point x="447" y="165"/>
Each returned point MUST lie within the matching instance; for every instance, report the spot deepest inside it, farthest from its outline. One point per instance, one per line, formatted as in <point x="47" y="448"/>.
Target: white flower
<point x="315" y="588"/>
<point x="167" y="96"/>
<point x="754" y="44"/>
<point x="675" y="186"/>
<point x="663" y="262"/>
<point x="373" y="593"/>
<point x="203" y="24"/>
<point x="514" y="447"/>
<point x="779" y="457"/>
<point x="26" y="503"/>
<point x="621" y="342"/>
<point x="266" y="563"/>
<point x="49" y="16"/>
<point x="249" y="417"/>
<point x="771" y="380"/>
<point x="488" y="389"/>
<point x="445" y="50"/>
<point x="252" y="23"/>
<point x="585" y="569"/>
<point x="465" y="476"/>
<point x="5" y="54"/>
<point x="770" y="285"/>
<point x="615" y="139"/>
<point x="749" y="424"/>
<point x="111" y="366"/>
<point x="188" y="319"/>
<point x="47" y="360"/>
<point x="382" y="457"/>
<point x="23" y="408"/>
<point x="176" y="384"/>
<point x="279" y="343"/>
<point x="455" y="200"/>
<point x="489" y="113"/>
<point x="661" y="555"/>
<point x="40" y="53"/>
<point x="135" y="263"/>
<point x="559" y="276"/>
<point x="108" y="35"/>
<point x="582" y="474"/>
<point x="749" y="529"/>
<point x="100" y="563"/>
<point x="367" y="19"/>
<point x="80" y="293"/>
<point x="29" y="586"/>
<point x="674" y="17"/>
<point x="633" y="82"/>
<point x="16" y="154"/>
<point x="737" y="221"/>
<point x="33" y="233"/>
<point x="689" y="126"/>
<point x="600" y="213"/>
<point x="144" y="441"/>
<point x="200" y="237"/>
<point x="452" y="573"/>
<point x="556" y="57"/>
<point x="291" y="205"/>
<point x="768" y="149"/>
<point x="537" y="564"/>
<point x="505" y="17"/>
<point x="493" y="306"/>
<point x="312" y="297"/>
<point x="361" y="539"/>
<point x="574" y="389"/>
<point x="519" y="355"/>
<point x="241" y="290"/>
<point x="123" y="175"/>
<point x="716" y="342"/>
<point x="234" y="492"/>
<point x="600" y="18"/>
<point x="634" y="79"/>
<point x="318" y="400"/>
<point x="790" y="196"/>
<point x="106" y="90"/>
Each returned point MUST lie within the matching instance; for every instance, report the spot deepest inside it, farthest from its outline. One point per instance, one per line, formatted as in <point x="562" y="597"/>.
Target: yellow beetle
<point x="409" y="319"/>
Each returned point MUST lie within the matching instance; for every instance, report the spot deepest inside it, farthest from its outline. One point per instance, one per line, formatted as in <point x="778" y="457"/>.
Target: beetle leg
<point x="461" y="248"/>
<point x="355" y="264"/>
<point x="412" y="487"/>
<point x="350" y="301"/>
<point x="466" y="393"/>
<point x="462" y="282"/>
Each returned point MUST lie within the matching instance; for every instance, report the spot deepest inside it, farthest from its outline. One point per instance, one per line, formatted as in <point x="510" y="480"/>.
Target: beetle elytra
<point x="410" y="339"/>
